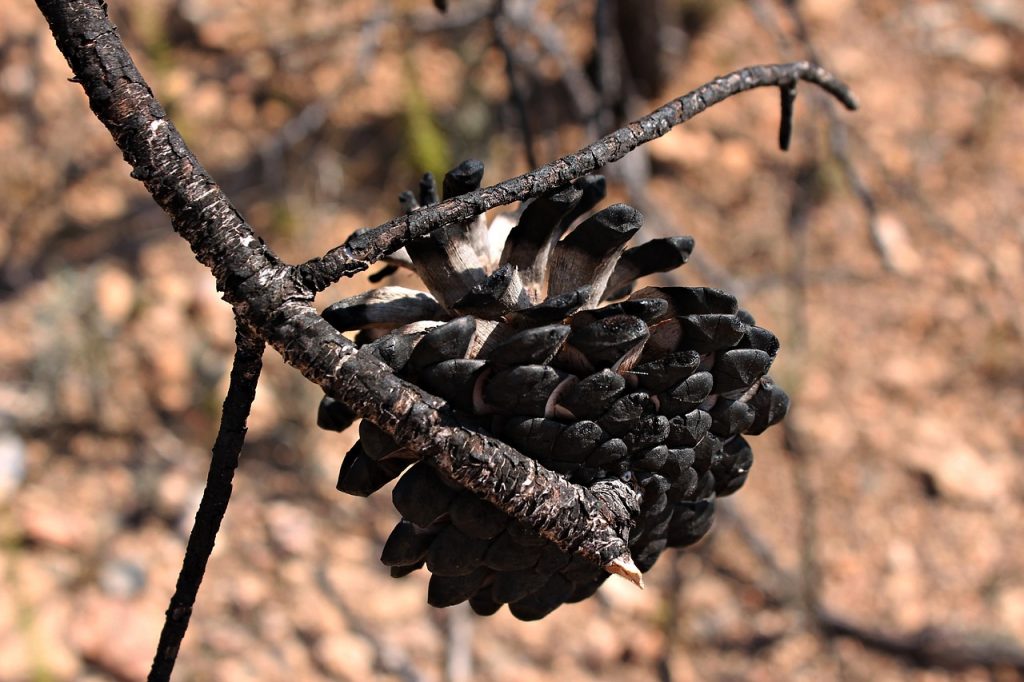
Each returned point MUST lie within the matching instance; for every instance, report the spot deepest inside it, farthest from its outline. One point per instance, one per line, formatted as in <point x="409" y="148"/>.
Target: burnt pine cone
<point x="655" y="389"/>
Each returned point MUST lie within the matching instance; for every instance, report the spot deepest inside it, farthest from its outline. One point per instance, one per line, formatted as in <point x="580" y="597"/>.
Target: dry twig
<point x="245" y="374"/>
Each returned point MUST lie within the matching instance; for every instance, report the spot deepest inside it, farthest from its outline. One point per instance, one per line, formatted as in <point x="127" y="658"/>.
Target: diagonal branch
<point x="274" y="300"/>
<point x="367" y="246"/>
<point x="275" y="305"/>
<point x="245" y="374"/>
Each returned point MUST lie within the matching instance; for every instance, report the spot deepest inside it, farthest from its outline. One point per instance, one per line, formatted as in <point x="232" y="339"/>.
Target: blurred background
<point x="879" y="534"/>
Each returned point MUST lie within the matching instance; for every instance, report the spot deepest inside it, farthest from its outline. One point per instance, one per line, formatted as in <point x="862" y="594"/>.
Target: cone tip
<point x="625" y="567"/>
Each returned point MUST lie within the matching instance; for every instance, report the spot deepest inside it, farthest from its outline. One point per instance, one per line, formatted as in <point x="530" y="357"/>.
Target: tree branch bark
<point x="273" y="300"/>
<point x="275" y="304"/>
<point x="362" y="249"/>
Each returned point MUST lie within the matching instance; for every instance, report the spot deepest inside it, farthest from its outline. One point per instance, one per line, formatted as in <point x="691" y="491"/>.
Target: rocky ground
<point x="879" y="534"/>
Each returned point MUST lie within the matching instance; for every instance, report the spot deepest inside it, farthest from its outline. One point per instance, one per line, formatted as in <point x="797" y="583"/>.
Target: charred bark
<point x="273" y="300"/>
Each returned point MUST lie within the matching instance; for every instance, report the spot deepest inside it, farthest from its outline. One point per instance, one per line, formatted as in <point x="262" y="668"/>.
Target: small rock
<point x="1006" y="12"/>
<point x="346" y="656"/>
<point x="12" y="463"/>
<point x="960" y="471"/>
<point x="122" y="578"/>
<point x="293" y="528"/>
<point x="896" y="244"/>
<point x="115" y="295"/>
<point x="1010" y="605"/>
<point x="118" y="636"/>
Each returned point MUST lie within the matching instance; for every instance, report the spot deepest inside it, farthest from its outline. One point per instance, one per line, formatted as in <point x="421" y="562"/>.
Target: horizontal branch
<point x="364" y="248"/>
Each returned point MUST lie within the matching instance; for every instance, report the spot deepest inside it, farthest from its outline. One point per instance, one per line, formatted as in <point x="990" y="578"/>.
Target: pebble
<point x="12" y="463"/>
<point x="122" y="578"/>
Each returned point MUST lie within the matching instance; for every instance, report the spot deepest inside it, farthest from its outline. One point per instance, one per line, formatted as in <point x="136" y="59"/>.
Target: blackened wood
<point x="761" y="339"/>
<point x="385" y="307"/>
<point x="708" y="333"/>
<point x="361" y="475"/>
<point x="662" y="374"/>
<point x="421" y="495"/>
<point x="428" y="190"/>
<point x="453" y="553"/>
<point x="657" y="255"/>
<point x="522" y="390"/>
<point x="533" y="346"/>
<point x="730" y="417"/>
<point x="588" y="255"/>
<point x="551" y="309"/>
<point x="378" y="445"/>
<point x="451" y="590"/>
<point x="687" y="394"/>
<point x="690" y="522"/>
<point x="626" y="412"/>
<point x="605" y="341"/>
<point x="578" y="440"/>
<point x="544" y="600"/>
<point x="535" y="436"/>
<point x="477" y="518"/>
<point x="770" y="405"/>
<point x="691" y="300"/>
<point x="447" y="342"/>
<point x="594" y="189"/>
<point x="455" y="381"/>
<point x="500" y="293"/>
<point x="529" y="244"/>
<point x="406" y="546"/>
<point x="507" y="554"/>
<point x="739" y="368"/>
<point x="451" y="260"/>
<point x="483" y="604"/>
<point x="245" y="373"/>
<point x="447" y="263"/>
<point x="334" y="416"/>
<point x="688" y="430"/>
<point x="594" y="394"/>
<point x="466" y="177"/>
<point x="647" y="309"/>
<point x="608" y="453"/>
<point x="515" y="585"/>
<point x="788" y="95"/>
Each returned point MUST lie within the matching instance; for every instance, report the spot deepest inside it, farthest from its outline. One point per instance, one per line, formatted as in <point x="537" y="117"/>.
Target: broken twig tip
<point x="788" y="91"/>
<point x="625" y="567"/>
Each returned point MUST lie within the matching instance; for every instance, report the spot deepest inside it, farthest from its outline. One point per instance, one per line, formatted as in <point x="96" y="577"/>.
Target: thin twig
<point x="245" y="374"/>
<point x="584" y="97"/>
<point x="516" y="91"/>
<point x="837" y="131"/>
<point x="932" y="647"/>
<point x="369" y="245"/>
<point x="458" y="643"/>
